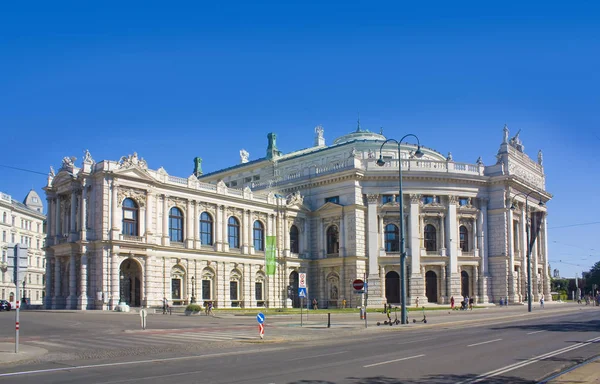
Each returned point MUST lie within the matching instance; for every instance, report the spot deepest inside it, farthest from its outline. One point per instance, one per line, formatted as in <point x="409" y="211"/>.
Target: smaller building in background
<point x="23" y="223"/>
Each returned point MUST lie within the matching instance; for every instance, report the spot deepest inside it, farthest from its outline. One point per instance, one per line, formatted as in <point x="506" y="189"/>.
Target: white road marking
<point x="392" y="361"/>
<point x="149" y="377"/>
<point x="416" y="341"/>
<point x="533" y="333"/>
<point x="137" y="362"/>
<point x="315" y="356"/>
<point x="485" y="342"/>
<point x="527" y="362"/>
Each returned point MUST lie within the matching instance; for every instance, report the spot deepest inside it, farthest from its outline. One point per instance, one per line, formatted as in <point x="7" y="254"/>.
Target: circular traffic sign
<point x="260" y="318"/>
<point x="358" y="284"/>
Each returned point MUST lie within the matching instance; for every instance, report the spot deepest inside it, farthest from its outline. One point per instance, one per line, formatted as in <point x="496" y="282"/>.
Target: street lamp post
<point x="527" y="230"/>
<point x="418" y="153"/>
<point x="193" y="292"/>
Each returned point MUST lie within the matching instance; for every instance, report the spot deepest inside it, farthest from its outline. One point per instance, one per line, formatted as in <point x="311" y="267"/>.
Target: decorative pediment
<point x="136" y="194"/>
<point x="134" y="173"/>
<point x="329" y="206"/>
<point x="133" y="161"/>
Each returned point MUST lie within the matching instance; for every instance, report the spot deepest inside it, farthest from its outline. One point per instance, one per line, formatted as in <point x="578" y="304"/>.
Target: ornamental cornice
<point x="177" y="201"/>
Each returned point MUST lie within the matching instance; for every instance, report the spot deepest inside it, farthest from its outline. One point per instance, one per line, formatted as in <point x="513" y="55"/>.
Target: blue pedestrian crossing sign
<point x="260" y="318"/>
<point x="302" y="292"/>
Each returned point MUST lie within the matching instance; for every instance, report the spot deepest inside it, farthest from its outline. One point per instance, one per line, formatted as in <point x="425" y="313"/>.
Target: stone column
<point x="224" y="230"/>
<point x="49" y="278"/>
<point x="453" y="247"/>
<point x="376" y="279"/>
<point x="483" y="246"/>
<point x="381" y="227"/>
<point x="219" y="228"/>
<point x="165" y="221"/>
<point x="115" y="289"/>
<point x="57" y="301"/>
<point x="477" y="288"/>
<point x="342" y="249"/>
<point x="188" y="228"/>
<point x="474" y="238"/>
<point x="321" y="240"/>
<point x="547" y="295"/>
<point x="147" y="278"/>
<point x="115" y="212"/>
<point x="51" y="215"/>
<point x="57" y="213"/>
<point x="245" y="224"/>
<point x="443" y="235"/>
<point x="72" y="219"/>
<point x="82" y="300"/>
<point x="83" y="215"/>
<point x="72" y="298"/>
<point x="511" y="255"/>
<point x="524" y="265"/>
<point x="149" y="213"/>
<point x="286" y="238"/>
<point x="196" y="236"/>
<point x="534" y="268"/>
<point x="417" y="283"/>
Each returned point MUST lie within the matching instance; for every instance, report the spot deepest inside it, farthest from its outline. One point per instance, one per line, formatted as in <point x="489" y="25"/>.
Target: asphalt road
<point x="490" y="350"/>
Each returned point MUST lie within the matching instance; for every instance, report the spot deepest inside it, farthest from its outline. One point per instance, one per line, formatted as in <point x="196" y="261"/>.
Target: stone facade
<point x="119" y="231"/>
<point x="23" y="223"/>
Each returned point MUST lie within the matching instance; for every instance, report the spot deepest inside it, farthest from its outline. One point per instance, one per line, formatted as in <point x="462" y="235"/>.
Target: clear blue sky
<point x="177" y="80"/>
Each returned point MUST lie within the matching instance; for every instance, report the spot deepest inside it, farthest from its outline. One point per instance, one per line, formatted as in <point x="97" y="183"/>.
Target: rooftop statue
<point x="516" y="142"/>
<point x="132" y="160"/>
<point x="87" y="157"/>
<point x="540" y="157"/>
<point x="197" y="166"/>
<point x="244" y="156"/>
<point x="505" y="139"/>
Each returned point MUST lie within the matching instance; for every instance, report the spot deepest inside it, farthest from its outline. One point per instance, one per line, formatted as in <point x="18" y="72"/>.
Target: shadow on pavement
<point x="569" y="326"/>
<point x="432" y="379"/>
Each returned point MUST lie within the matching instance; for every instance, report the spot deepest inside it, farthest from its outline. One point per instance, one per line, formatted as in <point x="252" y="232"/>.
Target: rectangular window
<point x="4" y="236"/>
<point x="258" y="291"/>
<point x="463" y="201"/>
<point x="206" y="290"/>
<point x="12" y="238"/>
<point x="256" y="177"/>
<point x="38" y="243"/>
<point x="233" y="290"/>
<point x="233" y="183"/>
<point x="39" y="228"/>
<point x="176" y="289"/>
<point x="247" y="179"/>
<point x="333" y="199"/>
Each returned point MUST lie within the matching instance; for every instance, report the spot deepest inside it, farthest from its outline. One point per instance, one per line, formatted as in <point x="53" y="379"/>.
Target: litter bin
<point x="362" y="313"/>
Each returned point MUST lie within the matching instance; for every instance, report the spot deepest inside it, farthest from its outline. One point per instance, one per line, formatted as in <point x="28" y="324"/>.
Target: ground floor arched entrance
<point x="431" y="290"/>
<point x="130" y="283"/>
<point x="293" y="290"/>
<point x="392" y="287"/>
<point x="464" y="284"/>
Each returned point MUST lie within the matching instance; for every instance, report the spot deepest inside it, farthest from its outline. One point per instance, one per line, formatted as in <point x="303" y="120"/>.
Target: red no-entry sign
<point x="358" y="284"/>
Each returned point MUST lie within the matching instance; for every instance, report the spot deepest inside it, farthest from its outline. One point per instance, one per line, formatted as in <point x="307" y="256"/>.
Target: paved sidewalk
<point x="26" y="352"/>
<point x="587" y="373"/>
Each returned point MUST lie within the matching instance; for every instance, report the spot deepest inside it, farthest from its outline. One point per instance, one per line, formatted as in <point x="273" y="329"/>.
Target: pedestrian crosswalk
<point x="139" y="340"/>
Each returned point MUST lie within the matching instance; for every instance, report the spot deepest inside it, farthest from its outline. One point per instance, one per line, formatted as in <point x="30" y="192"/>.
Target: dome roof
<point x="33" y="201"/>
<point x="359" y="134"/>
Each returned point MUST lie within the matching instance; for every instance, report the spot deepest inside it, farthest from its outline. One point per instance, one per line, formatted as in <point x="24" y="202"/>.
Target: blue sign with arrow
<point x="260" y="318"/>
<point x="302" y="292"/>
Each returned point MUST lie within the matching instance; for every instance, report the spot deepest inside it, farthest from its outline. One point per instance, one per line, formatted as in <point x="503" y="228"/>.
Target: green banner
<point x="270" y="263"/>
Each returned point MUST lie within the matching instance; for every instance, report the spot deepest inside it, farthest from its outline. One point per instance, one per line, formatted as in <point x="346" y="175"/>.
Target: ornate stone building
<point x="119" y="231"/>
<point x="23" y="223"/>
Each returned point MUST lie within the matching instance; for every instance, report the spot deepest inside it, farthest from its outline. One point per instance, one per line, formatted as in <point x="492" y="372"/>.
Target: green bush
<point x="193" y="308"/>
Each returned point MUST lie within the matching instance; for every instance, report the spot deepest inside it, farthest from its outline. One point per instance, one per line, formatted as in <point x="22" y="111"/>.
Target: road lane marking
<point x="315" y="356"/>
<point x="137" y="362"/>
<point x="484" y="342"/>
<point x="416" y="341"/>
<point x="392" y="361"/>
<point x="527" y="362"/>
<point x="149" y="377"/>
<point x="533" y="333"/>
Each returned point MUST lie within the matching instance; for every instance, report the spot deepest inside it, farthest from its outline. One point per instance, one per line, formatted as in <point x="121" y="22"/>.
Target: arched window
<point x="294" y="239"/>
<point x="176" y="225"/>
<point x="333" y="240"/>
<point x="130" y="217"/>
<point x="258" y="232"/>
<point x="392" y="236"/>
<point x="233" y="232"/>
<point x="430" y="238"/>
<point x="464" y="238"/>
<point x="206" y="229"/>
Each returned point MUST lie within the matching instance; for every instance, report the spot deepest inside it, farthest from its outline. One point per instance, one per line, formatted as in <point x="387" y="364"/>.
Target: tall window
<point x="233" y="291"/>
<point x="333" y="240"/>
<point x="258" y="233"/>
<point x="464" y="238"/>
<point x="130" y="217"/>
<point x="430" y="238"/>
<point x="4" y="236"/>
<point x="206" y="229"/>
<point x="392" y="236"/>
<point x="233" y="232"/>
<point x="4" y="217"/>
<point x="176" y="225"/>
<point x="294" y="239"/>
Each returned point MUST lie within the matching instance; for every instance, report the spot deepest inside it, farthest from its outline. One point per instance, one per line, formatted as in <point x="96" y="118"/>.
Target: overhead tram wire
<point x="24" y="170"/>
<point x="575" y="225"/>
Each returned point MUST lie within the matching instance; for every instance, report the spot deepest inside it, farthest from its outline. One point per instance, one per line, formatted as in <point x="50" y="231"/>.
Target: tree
<point x="592" y="278"/>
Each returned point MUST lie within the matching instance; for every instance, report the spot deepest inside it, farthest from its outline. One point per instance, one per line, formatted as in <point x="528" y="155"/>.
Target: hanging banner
<point x="270" y="263"/>
<point x="536" y="225"/>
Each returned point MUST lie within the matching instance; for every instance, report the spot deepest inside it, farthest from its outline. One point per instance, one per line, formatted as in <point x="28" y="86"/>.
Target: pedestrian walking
<point x="315" y="304"/>
<point x="542" y="301"/>
<point x="165" y="305"/>
<point x="210" y="308"/>
<point x="417" y="302"/>
<point x="452" y="302"/>
<point x="471" y="303"/>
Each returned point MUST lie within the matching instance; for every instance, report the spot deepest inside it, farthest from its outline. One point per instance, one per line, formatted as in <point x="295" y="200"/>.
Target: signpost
<point x="17" y="260"/>
<point x="358" y="284"/>
<point x="261" y="327"/>
<point x="302" y="294"/>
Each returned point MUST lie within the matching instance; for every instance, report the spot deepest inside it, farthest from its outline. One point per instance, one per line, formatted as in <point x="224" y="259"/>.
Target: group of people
<point x="208" y="307"/>
<point x="466" y="303"/>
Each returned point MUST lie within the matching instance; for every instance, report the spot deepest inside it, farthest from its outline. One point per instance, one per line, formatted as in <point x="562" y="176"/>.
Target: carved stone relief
<point x="136" y="194"/>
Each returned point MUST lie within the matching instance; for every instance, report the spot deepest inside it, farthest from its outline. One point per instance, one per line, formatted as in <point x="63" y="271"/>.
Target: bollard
<point x="328" y="320"/>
